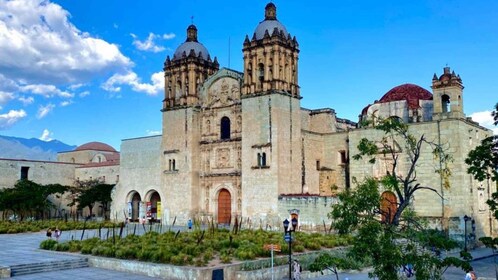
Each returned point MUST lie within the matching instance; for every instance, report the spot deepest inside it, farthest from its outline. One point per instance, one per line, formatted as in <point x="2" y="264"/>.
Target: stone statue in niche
<point x="223" y="157"/>
<point x="235" y="91"/>
<point x="224" y="93"/>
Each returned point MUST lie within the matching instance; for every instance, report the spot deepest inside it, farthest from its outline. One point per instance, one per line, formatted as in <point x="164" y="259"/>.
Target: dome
<point x="191" y="44"/>
<point x="409" y="92"/>
<point x="97" y="146"/>
<point x="270" y="23"/>
<point x="187" y="46"/>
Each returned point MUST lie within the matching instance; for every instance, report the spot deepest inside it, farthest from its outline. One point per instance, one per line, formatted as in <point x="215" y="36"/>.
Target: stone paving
<point x="22" y="248"/>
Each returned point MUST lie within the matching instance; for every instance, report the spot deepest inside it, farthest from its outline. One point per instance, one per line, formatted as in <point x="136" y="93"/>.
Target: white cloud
<point x="46" y="135"/>
<point x="5" y="97"/>
<point x="40" y="44"/>
<point x="44" y="110"/>
<point x="76" y="86"/>
<point x="10" y="118"/>
<point x="66" y="103"/>
<point x="153" y="132"/>
<point x="131" y="79"/>
<point x="168" y="36"/>
<point x="485" y="119"/>
<point x="46" y="90"/>
<point x="85" y="93"/>
<point x="26" y="100"/>
<point x="148" y="44"/>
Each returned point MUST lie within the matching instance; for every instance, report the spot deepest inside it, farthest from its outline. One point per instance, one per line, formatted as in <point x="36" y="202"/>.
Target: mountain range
<point x="33" y="148"/>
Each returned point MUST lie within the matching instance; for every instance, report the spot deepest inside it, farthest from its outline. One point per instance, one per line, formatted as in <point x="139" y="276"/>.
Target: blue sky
<point x="81" y="71"/>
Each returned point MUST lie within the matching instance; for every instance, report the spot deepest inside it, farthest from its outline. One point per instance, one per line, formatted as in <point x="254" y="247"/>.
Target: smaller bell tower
<point x="190" y="66"/>
<point x="448" y="95"/>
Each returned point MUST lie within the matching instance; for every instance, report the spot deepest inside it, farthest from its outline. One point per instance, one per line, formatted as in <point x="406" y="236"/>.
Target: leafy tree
<point x="87" y="193"/>
<point x="483" y="165"/>
<point x="327" y="261"/>
<point x="388" y="230"/>
<point x="28" y="198"/>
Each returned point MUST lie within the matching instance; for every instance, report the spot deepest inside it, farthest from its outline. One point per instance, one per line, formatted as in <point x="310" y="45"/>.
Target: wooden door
<point x="388" y="206"/>
<point x="224" y="207"/>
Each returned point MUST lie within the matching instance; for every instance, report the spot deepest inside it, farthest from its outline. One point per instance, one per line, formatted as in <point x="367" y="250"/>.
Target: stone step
<point x="32" y="268"/>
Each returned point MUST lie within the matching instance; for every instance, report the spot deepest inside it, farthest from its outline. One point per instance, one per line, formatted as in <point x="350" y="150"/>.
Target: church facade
<point x="239" y="144"/>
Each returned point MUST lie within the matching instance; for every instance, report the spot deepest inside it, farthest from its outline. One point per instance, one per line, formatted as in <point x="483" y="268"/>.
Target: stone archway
<point x="135" y="206"/>
<point x="155" y="206"/>
<point x="388" y="206"/>
<point x="224" y="207"/>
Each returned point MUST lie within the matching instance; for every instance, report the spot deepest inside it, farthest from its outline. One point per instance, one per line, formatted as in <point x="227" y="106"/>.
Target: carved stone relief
<point x="223" y="158"/>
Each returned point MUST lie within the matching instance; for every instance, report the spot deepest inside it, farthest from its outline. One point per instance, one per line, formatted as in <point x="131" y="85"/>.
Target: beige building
<point x="92" y="160"/>
<point x="239" y="144"/>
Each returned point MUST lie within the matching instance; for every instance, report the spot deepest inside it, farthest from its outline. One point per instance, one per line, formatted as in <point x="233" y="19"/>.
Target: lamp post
<point x="466" y="219"/>
<point x="288" y="238"/>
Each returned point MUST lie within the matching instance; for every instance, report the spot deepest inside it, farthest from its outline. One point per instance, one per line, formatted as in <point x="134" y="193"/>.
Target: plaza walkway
<point x="20" y="249"/>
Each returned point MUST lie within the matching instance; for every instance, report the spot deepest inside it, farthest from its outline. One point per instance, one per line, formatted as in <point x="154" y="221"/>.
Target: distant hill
<point x="34" y="149"/>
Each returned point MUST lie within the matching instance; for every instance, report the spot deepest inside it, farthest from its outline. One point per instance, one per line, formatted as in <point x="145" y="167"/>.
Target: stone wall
<point x="312" y="211"/>
<point x="139" y="172"/>
<point x="41" y="172"/>
<point x="458" y="137"/>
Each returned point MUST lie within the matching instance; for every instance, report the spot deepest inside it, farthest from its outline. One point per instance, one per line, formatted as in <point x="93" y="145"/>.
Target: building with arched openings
<point x="238" y="144"/>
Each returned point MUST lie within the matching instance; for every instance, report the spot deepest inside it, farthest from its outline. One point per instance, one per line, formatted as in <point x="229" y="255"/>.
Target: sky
<point x="82" y="71"/>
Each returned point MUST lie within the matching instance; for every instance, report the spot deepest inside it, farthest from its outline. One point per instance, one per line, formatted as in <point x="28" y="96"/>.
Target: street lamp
<point x="288" y="238"/>
<point x="466" y="219"/>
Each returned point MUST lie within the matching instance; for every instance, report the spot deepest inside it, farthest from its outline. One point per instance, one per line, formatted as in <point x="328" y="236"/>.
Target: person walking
<point x="49" y="233"/>
<point x="297" y="270"/>
<point x="471" y="275"/>
<point x="57" y="233"/>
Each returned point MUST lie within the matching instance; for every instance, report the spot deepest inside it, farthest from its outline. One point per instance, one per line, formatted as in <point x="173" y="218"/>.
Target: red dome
<point x="97" y="146"/>
<point x="409" y="92"/>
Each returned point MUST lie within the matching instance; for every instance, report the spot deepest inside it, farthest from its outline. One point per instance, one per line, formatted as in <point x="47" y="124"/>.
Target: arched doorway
<point x="135" y="206"/>
<point x="388" y="206"/>
<point x="224" y="207"/>
<point x="155" y="202"/>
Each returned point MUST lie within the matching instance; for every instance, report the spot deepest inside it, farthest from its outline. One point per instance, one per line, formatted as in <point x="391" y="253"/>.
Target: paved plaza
<point x="23" y="248"/>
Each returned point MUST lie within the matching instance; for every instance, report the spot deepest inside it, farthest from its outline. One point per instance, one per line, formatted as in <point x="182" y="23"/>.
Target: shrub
<point x="126" y="252"/>
<point x="48" y="244"/>
<point x="62" y="247"/>
<point x="103" y="250"/>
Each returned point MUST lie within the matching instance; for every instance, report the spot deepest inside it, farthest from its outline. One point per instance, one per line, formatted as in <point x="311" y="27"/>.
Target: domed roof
<point x="98" y="146"/>
<point x="191" y="44"/>
<point x="409" y="92"/>
<point x="270" y="23"/>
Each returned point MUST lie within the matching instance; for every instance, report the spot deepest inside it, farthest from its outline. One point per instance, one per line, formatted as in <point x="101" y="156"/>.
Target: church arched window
<point x="225" y="128"/>
<point x="178" y="89"/>
<point x="261" y="73"/>
<point x="445" y="102"/>
<point x="249" y="73"/>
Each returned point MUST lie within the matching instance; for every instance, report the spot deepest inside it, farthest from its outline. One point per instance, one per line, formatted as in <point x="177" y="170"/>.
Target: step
<point x="32" y="268"/>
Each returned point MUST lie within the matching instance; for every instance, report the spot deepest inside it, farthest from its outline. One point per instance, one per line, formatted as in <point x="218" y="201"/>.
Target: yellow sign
<point x="274" y="247"/>
<point x="158" y="210"/>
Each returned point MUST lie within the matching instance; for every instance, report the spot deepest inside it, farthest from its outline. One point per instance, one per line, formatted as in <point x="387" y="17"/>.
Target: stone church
<point x="239" y="144"/>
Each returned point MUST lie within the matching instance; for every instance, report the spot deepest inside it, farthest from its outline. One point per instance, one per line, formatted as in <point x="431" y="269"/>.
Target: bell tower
<point x="184" y="74"/>
<point x="271" y="116"/>
<point x="270" y="58"/>
<point x="448" y="95"/>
